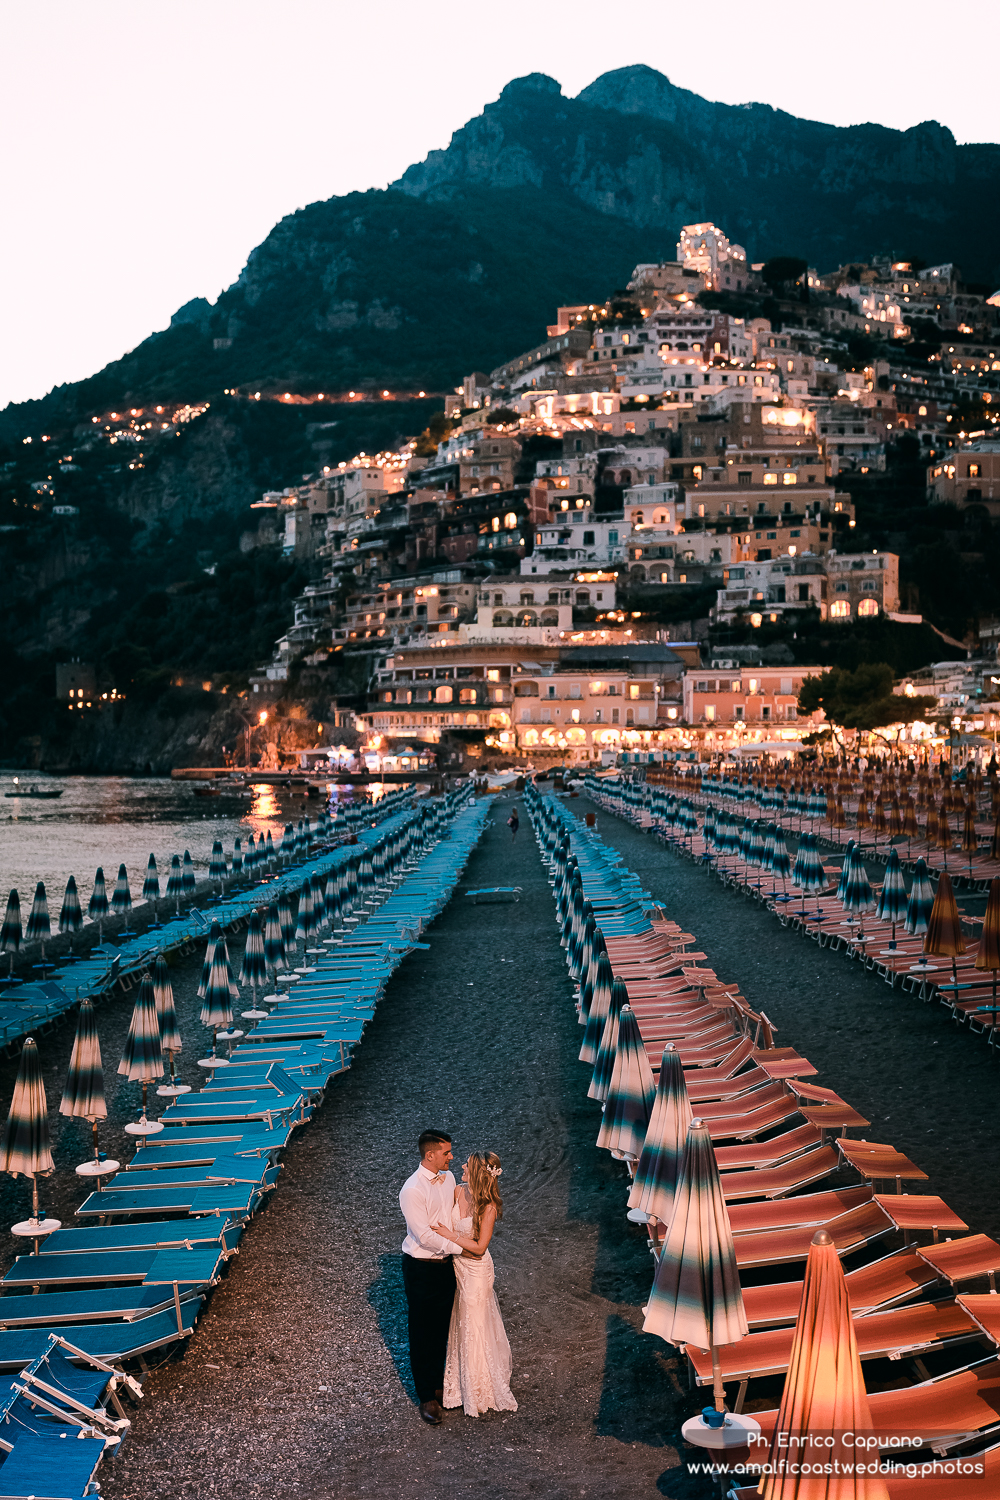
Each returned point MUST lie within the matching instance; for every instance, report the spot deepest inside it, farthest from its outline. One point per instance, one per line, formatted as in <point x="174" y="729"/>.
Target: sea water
<point x="113" y="820"/>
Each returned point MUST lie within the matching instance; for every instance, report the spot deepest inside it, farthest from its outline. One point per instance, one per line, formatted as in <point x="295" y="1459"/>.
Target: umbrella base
<point x="144" y="1127"/>
<point x="213" y="1062"/>
<point x="171" y="1090"/>
<point x="228" y="1036"/>
<point x="255" y="1015"/>
<point x="33" y="1229"/>
<point x="923" y="968"/>
<point x="97" y="1168"/>
<point x="638" y="1216"/>
<point x="736" y="1433"/>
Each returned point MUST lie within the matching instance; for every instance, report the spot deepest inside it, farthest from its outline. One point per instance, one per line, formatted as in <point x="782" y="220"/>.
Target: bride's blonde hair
<point x="484" y="1172"/>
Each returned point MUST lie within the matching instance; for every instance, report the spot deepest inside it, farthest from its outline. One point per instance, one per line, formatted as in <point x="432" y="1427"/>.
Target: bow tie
<point x="440" y="1176"/>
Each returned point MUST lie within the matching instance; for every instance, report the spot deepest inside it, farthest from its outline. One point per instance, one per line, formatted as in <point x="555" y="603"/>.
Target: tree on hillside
<point x="781" y="269"/>
<point x="862" y="699"/>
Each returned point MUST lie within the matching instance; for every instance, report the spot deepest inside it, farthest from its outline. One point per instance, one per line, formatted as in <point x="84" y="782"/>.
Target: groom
<point x="427" y="1198"/>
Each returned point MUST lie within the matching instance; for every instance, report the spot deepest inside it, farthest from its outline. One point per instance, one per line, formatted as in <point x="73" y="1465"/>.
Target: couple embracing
<point x="459" y="1352"/>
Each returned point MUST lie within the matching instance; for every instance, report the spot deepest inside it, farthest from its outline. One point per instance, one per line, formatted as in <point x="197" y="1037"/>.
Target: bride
<point x="477" y="1374"/>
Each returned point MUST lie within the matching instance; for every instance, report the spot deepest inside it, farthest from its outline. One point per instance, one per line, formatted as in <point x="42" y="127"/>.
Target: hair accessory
<point x="495" y="1171"/>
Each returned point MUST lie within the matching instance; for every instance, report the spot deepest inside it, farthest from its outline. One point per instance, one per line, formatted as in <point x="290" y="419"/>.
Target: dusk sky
<point x="148" y="149"/>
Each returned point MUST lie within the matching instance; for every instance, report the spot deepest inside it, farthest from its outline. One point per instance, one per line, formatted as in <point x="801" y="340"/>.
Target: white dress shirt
<point x="427" y="1199"/>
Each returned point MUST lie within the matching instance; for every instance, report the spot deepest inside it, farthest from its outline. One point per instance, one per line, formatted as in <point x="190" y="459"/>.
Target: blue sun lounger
<point x="229" y="1170"/>
<point x="250" y="1134"/>
<point x="50" y="1467"/>
<point x="164" y="1234"/>
<point x="90" y="1305"/>
<point x="251" y="1147"/>
<point x="237" y="1201"/>
<point x="145" y="1267"/>
<point x="109" y="1341"/>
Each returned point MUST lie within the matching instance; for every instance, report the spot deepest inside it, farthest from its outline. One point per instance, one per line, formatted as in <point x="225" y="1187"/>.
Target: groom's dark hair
<point x="432" y="1138"/>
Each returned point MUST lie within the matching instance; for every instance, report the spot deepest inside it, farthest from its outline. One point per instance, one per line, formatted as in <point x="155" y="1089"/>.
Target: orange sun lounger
<point x="897" y="1277"/>
<point x="901" y="1330"/>
<point x="767" y="1153"/>
<point x="960" y="1260"/>
<point x="775" y="1247"/>
<point x="877" y="1161"/>
<point x="776" y="1182"/>
<point x="946" y="1410"/>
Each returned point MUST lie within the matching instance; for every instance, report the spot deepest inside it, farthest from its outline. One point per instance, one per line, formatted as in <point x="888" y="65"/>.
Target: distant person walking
<point x="513" y="824"/>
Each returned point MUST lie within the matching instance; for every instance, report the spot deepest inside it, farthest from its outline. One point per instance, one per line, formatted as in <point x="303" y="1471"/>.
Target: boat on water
<point x="34" y="791"/>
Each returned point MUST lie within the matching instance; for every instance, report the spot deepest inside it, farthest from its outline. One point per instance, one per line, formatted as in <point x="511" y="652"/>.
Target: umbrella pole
<point x="718" y="1389"/>
<point x="97" y="1153"/>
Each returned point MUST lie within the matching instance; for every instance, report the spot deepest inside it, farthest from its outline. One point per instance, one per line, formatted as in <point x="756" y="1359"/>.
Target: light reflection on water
<point x="114" y="820"/>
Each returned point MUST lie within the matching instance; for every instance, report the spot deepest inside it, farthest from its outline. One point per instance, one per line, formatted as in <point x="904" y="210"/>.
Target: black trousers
<point x="430" y="1293"/>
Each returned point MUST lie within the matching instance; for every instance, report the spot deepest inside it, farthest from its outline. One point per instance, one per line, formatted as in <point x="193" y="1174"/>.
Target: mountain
<point x="540" y="200"/>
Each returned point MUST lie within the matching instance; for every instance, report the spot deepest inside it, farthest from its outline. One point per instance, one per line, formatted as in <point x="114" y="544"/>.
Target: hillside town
<point x="554" y="570"/>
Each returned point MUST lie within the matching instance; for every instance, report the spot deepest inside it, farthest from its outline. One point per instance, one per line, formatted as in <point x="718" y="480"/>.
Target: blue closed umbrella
<point x="121" y="897"/>
<point x="630" y="1093"/>
<point x="269" y="851"/>
<point x="151" y="882"/>
<point x="659" y="1164"/>
<point x="142" y="1057"/>
<point x="600" y="1003"/>
<point x="175" y="883"/>
<point x="288" y="843"/>
<point x="70" y="915"/>
<point x="921" y="902"/>
<point x="601" y="1080"/>
<point x="287" y="920"/>
<point x="83" y="1097"/>
<point x="187" y="874"/>
<point x="237" y="858"/>
<point x="25" y="1146"/>
<point x="38" y="927"/>
<point x="217" y="863"/>
<point x="10" y="932"/>
<point x="892" y="898"/>
<point x="274" y="943"/>
<point x="781" y="865"/>
<point x="304" y="926"/>
<point x="253" y="970"/>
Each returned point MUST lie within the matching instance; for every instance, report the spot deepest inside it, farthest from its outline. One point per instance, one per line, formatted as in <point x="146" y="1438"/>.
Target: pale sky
<point x="148" y="148"/>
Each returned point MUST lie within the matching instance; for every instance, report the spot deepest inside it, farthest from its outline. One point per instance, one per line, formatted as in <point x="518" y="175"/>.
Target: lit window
<point x="770" y="478"/>
<point x="867" y="607"/>
<point x="789" y="477"/>
<point x="840" y="609"/>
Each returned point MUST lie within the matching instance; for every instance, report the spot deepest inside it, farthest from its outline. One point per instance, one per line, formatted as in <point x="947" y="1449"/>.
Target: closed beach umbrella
<point x="696" y="1297"/>
<point x="25" y="1146"/>
<point x="824" y="1394"/>
<point x="781" y="865"/>
<point x="151" y="882"/>
<point x="970" y="839"/>
<point x="319" y="916"/>
<point x="83" y="1097"/>
<point x="142" y="1057"/>
<point x="269" y="851"/>
<point x="288" y="842"/>
<point x="988" y="953"/>
<point x="892" y="898"/>
<point x="931" y="826"/>
<point x="175" y="882"/>
<point x="662" y="1152"/>
<point x="630" y="1094"/>
<point x="121" y="897"/>
<point x="237" y="858"/>
<point x="921" y="902"/>
<point x="253" y="970"/>
<point x="217" y="863"/>
<point x="250" y="862"/>
<point x="274" y="943"/>
<point x="166" y="1014"/>
<point x="845" y="870"/>
<point x="214" y="934"/>
<point x="187" y="874"/>
<point x="944" y="938"/>
<point x="217" y="1003"/>
<point x="600" y="1003"/>
<point x="38" y="927"/>
<point x="97" y="907"/>
<point x="70" y="915"/>
<point x="304" y="926"/>
<point x="10" y="932"/>
<point x="601" y="1080"/>
<point x="287" y="920"/>
<point x="331" y="900"/>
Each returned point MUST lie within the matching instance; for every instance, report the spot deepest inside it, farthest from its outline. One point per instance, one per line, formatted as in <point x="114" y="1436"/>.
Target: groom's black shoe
<point x="430" y="1412"/>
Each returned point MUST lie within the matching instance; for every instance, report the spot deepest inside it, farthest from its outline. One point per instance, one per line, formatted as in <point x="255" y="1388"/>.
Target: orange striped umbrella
<point x="970" y="839"/>
<point x="931" y="826"/>
<point x="839" y="820"/>
<point x="824" y="1399"/>
<point x="943" y="937"/>
<point x="862" y="819"/>
<point x="988" y="956"/>
<point x="895" y="818"/>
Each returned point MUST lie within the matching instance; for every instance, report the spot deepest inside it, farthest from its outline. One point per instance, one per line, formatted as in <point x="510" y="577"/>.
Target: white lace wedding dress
<point x="478" y="1370"/>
